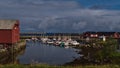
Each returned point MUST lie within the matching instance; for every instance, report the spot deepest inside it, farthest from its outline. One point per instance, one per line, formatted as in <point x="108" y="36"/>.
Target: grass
<point x="47" y="66"/>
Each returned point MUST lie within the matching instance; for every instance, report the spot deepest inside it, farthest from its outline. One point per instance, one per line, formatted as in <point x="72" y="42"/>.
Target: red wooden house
<point x="115" y="35"/>
<point x="9" y="31"/>
<point x="90" y="34"/>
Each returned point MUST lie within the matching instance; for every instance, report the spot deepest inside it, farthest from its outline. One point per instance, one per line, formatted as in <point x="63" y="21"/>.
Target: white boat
<point x="75" y="43"/>
<point x="54" y="39"/>
<point x="28" y="39"/>
<point x="44" y="40"/>
<point x="57" y="42"/>
<point x="50" y="42"/>
<point x="66" y="43"/>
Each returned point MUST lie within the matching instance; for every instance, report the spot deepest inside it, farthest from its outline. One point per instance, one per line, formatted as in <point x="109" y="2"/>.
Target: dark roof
<point x="7" y="24"/>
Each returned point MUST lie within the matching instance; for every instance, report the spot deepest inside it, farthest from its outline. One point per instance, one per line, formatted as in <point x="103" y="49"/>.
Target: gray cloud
<point x="59" y="16"/>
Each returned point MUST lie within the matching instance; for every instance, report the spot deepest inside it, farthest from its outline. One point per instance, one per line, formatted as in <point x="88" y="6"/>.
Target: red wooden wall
<point x="5" y="36"/>
<point x="15" y="33"/>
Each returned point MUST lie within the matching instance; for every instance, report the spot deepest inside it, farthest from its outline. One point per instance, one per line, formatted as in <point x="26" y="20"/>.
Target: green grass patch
<point x="47" y="66"/>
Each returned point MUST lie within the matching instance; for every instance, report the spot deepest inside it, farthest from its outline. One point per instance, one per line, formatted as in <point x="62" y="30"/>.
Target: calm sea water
<point x="36" y="52"/>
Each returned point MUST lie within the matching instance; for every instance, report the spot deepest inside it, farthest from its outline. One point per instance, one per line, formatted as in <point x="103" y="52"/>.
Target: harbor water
<point x="37" y="52"/>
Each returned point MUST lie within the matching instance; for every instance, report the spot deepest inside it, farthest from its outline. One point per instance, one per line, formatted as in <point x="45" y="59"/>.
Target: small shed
<point x="9" y="31"/>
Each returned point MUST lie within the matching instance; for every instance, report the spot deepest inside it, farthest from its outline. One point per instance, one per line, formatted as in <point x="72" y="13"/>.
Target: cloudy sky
<point x="63" y="15"/>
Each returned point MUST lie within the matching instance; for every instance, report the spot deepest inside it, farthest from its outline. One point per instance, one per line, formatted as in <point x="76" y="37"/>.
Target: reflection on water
<point x="48" y="54"/>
